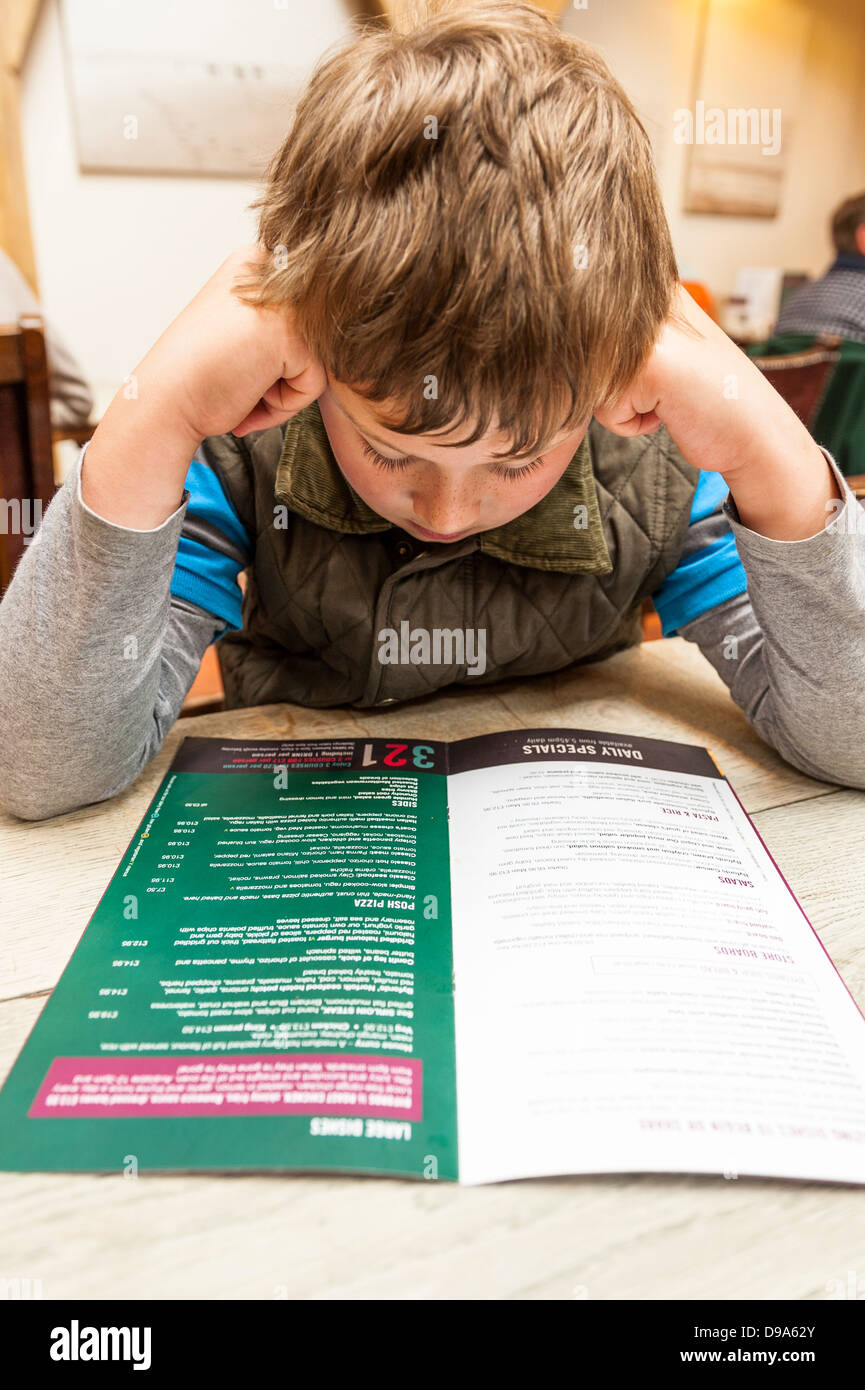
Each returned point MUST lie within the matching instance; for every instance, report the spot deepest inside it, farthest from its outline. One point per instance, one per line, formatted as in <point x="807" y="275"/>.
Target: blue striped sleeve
<point x="709" y="571"/>
<point x="213" y="549"/>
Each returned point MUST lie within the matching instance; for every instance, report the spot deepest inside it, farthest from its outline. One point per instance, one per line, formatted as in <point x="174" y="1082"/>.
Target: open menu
<point x="538" y="952"/>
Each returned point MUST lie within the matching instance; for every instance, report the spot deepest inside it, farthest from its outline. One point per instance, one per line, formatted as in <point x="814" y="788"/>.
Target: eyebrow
<point x="375" y="439"/>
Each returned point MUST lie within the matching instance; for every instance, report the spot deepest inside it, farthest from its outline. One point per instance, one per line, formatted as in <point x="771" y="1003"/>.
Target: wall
<point x="119" y="256"/>
<point x="651" y="46"/>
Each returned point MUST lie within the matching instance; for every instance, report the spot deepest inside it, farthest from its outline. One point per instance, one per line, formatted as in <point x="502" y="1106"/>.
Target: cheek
<point x="365" y="478"/>
<point x="523" y="495"/>
<point x="520" y="496"/>
<point x="354" y="465"/>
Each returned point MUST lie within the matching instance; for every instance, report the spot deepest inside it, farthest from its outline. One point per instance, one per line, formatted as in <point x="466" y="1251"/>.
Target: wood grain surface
<point x="289" y="1236"/>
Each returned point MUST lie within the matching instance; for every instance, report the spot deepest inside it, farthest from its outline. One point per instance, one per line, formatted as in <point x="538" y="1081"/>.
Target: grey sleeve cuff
<point x="845" y="519"/>
<point x="106" y="539"/>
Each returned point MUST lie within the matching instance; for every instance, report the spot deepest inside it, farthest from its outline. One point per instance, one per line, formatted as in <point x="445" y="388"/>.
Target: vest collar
<point x="562" y="532"/>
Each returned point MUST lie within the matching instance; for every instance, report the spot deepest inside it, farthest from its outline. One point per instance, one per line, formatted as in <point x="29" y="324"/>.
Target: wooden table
<point x="280" y="1236"/>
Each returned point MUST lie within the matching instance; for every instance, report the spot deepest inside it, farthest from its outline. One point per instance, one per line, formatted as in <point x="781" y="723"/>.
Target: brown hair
<point x="465" y="220"/>
<point x="845" y="221"/>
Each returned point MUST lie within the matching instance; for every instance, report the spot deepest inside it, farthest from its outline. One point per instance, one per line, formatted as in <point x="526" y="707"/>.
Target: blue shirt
<point x="709" y="570"/>
<point x="215" y="547"/>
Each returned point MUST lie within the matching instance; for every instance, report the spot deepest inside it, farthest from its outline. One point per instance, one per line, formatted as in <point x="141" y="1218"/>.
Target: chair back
<point x="26" y="456"/>
<point x="803" y="377"/>
<point x="823" y="379"/>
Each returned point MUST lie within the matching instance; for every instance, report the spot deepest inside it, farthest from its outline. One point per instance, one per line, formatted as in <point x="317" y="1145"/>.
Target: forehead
<point x="361" y="415"/>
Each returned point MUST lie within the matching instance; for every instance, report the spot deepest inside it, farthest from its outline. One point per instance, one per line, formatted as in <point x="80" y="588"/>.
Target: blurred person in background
<point x="836" y="302"/>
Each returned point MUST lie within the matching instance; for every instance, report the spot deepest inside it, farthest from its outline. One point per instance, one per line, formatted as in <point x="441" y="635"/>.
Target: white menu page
<point x="637" y="989"/>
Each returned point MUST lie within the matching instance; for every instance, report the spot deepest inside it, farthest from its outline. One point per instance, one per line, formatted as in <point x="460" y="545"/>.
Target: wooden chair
<point x="823" y="379"/>
<point x="27" y="481"/>
<point x="78" y="433"/>
<point x="803" y="377"/>
<point x="26" y="459"/>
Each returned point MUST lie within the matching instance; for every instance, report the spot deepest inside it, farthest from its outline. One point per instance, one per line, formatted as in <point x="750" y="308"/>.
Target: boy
<point x="387" y="401"/>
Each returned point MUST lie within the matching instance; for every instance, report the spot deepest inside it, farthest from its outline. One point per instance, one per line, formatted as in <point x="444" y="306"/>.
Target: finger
<point x="283" y="400"/>
<point x="309" y="382"/>
<point x="649" y="423"/>
<point x="291" y="394"/>
<point x="629" y="426"/>
<point x="261" y="418"/>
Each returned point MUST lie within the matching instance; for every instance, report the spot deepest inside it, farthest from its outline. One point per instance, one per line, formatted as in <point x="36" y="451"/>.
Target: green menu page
<point x="267" y="982"/>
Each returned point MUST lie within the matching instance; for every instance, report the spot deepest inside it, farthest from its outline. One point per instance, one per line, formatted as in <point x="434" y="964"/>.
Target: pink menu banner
<point x="270" y="1084"/>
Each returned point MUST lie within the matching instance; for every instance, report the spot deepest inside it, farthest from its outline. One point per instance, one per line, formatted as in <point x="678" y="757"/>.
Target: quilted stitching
<point x="318" y="597"/>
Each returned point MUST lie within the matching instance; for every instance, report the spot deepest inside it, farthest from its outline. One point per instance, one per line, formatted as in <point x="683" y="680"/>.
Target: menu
<point x="536" y="952"/>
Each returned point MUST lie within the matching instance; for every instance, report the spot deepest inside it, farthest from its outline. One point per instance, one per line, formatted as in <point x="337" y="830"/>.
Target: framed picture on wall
<point x="742" y="119"/>
<point x="191" y="88"/>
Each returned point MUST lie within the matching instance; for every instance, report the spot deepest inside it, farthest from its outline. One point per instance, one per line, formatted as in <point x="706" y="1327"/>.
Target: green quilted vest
<point x="343" y="608"/>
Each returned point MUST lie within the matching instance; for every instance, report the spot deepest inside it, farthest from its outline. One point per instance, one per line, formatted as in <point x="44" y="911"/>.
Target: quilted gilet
<point x="561" y="584"/>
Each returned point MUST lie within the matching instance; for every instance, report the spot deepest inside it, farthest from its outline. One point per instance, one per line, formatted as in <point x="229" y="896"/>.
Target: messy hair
<point x="465" y="221"/>
<point x="846" y="220"/>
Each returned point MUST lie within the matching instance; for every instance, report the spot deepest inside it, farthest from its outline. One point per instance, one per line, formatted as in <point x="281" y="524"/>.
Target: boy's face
<point x="428" y="486"/>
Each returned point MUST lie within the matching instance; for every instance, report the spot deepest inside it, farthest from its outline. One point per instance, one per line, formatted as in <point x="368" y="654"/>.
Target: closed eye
<point x="397" y="465"/>
<point x="380" y="461"/>
<point x="519" y="472"/>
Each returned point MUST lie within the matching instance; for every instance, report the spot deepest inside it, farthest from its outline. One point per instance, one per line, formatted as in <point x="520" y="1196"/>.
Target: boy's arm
<point x="794" y="521"/>
<point x="221" y="367"/>
<point x="783" y="624"/>
<point x="96" y="656"/>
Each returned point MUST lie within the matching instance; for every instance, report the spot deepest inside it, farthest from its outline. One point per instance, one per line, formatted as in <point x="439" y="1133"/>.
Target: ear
<point x="860" y="238"/>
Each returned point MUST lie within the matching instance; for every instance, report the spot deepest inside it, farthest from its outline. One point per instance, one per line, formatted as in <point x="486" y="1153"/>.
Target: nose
<point x="446" y="511"/>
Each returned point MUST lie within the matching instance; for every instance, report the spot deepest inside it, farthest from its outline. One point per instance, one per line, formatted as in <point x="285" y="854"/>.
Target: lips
<point x="436" y="536"/>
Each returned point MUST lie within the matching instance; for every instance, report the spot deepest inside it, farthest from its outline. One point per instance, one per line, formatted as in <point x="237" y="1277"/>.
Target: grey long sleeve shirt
<point x="96" y="655"/>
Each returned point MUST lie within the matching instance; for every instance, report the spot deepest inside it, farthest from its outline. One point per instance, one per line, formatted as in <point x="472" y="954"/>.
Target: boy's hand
<point x="724" y="416"/>
<point x="233" y="367"/>
<point x="220" y="366"/>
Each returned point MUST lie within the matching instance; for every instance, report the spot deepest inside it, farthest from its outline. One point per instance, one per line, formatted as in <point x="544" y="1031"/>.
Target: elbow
<point x="29" y="801"/>
<point x="39" y="788"/>
<point x="842" y="764"/>
<point x="24" y="809"/>
<point x="26" y="799"/>
<point x="815" y="733"/>
<point x="30" y="787"/>
<point x="847" y="777"/>
<point x="41" y="779"/>
<point x="23" y="792"/>
<point x="36" y="795"/>
<point x="849" y="774"/>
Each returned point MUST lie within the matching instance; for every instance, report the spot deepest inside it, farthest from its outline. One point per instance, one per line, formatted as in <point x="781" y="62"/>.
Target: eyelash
<point x="397" y="465"/>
